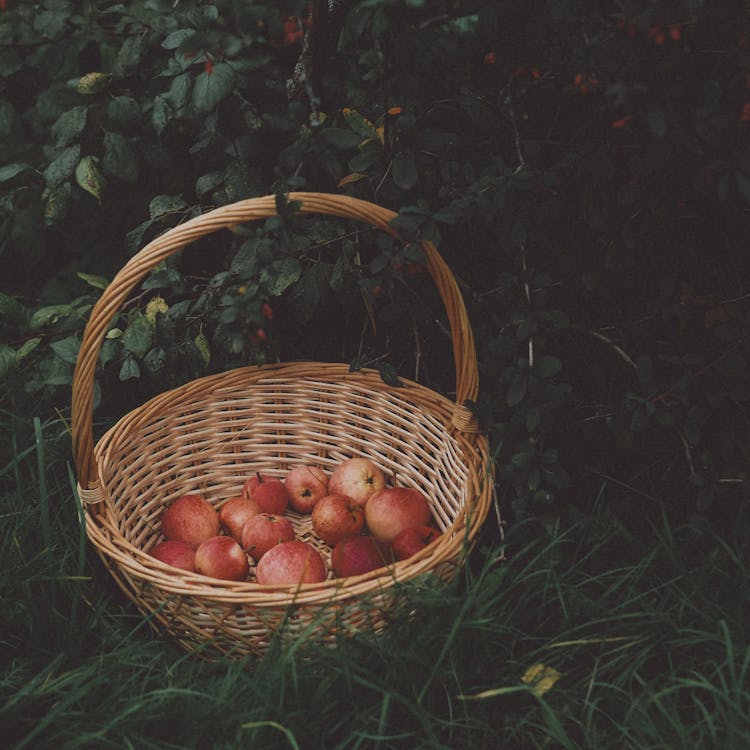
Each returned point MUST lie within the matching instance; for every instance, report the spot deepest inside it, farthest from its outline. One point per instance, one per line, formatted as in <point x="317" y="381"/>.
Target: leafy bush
<point x="585" y="171"/>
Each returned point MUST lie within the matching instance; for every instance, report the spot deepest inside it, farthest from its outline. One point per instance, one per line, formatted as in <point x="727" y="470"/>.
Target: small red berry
<point x="675" y="32"/>
<point x="267" y="311"/>
<point x="209" y="66"/>
<point x="745" y="113"/>
<point x="490" y="58"/>
<point x="656" y="35"/>
<point x="622" y="122"/>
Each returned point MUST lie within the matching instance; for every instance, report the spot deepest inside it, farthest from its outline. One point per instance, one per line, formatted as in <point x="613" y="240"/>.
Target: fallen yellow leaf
<point x="540" y="677"/>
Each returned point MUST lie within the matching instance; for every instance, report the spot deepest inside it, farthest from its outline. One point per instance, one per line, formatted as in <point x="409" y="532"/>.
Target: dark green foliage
<point x="585" y="170"/>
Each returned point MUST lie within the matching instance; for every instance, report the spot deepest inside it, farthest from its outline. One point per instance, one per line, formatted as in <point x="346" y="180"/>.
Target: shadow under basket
<point x="211" y="434"/>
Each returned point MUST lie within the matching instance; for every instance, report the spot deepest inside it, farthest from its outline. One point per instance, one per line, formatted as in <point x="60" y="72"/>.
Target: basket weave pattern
<point x="209" y="435"/>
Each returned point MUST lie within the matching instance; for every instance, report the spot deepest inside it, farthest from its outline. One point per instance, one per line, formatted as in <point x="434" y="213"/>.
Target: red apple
<point x="393" y="509"/>
<point x="177" y="554"/>
<point x="191" y="519"/>
<point x="336" y="517"/>
<point x="306" y="485"/>
<point x="357" y="554"/>
<point x="291" y="562"/>
<point x="264" y="531"/>
<point x="221" y="557"/>
<point x="358" y="478"/>
<point x="234" y="513"/>
<point x="409" y="541"/>
<point x="270" y="493"/>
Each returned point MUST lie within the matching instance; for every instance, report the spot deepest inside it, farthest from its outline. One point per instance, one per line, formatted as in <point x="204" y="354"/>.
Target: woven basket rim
<point x="106" y="536"/>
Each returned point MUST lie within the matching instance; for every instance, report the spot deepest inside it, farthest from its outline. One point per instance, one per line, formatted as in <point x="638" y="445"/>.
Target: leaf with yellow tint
<point x="155" y="306"/>
<point x="353" y="177"/>
<point x="540" y="678"/>
<point x="358" y="123"/>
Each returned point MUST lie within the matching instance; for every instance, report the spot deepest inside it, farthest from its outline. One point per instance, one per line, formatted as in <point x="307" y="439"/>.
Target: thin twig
<point x="418" y="355"/>
<point x="528" y="300"/>
<point x="688" y="452"/>
<point x="385" y="174"/>
<point x="611" y="344"/>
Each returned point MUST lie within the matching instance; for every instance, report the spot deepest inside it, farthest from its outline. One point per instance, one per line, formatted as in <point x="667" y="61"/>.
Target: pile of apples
<point x="365" y="523"/>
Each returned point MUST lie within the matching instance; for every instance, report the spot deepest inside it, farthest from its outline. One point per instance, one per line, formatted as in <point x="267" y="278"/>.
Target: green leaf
<point x="179" y="91"/>
<point x="340" y="138"/>
<point x="50" y="23"/>
<point x="134" y="237"/>
<point x="67" y="349"/>
<point x="281" y="275"/>
<point x="123" y="113"/>
<point x="138" y="336"/>
<point x="120" y="159"/>
<point x="404" y="170"/>
<point x="201" y="344"/>
<point x="98" y="282"/>
<point x="176" y="38"/>
<point x="89" y="176"/>
<point x="9" y="171"/>
<point x="92" y="83"/>
<point x="129" y="56"/>
<point x="56" y="202"/>
<point x="208" y="182"/>
<point x="11" y="308"/>
<point x="161" y="113"/>
<point x="50" y="315"/>
<point x="546" y="367"/>
<point x="359" y="124"/>
<point x="10" y="62"/>
<point x="311" y="289"/>
<point x="27" y="347"/>
<point x="166" y="204"/>
<point x="129" y="369"/>
<point x="211" y="88"/>
<point x="69" y="125"/>
<point x="516" y="392"/>
<point x="63" y="167"/>
<point x="156" y="359"/>
<point x="7" y="359"/>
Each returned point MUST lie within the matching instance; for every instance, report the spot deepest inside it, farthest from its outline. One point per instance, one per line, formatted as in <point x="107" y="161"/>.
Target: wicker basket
<point x="209" y="435"/>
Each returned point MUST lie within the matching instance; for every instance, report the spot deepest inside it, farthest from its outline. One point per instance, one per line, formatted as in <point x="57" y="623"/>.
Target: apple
<point x="393" y="509"/>
<point x="234" y="513"/>
<point x="306" y="485"/>
<point x="336" y="517"/>
<point x="191" y="519"/>
<point x="356" y="555"/>
<point x="264" y="531"/>
<point x="269" y="492"/>
<point x="291" y="562"/>
<point x="358" y="478"/>
<point x="221" y="557"/>
<point x="175" y="553"/>
<point x="409" y="541"/>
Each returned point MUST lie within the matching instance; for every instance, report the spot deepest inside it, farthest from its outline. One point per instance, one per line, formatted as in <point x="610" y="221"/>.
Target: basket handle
<point x="224" y="217"/>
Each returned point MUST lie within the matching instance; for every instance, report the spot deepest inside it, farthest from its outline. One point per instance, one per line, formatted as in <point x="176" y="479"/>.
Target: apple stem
<point x="260" y="478"/>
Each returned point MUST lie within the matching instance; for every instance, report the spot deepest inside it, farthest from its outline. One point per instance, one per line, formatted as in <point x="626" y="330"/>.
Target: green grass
<point x="646" y="624"/>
